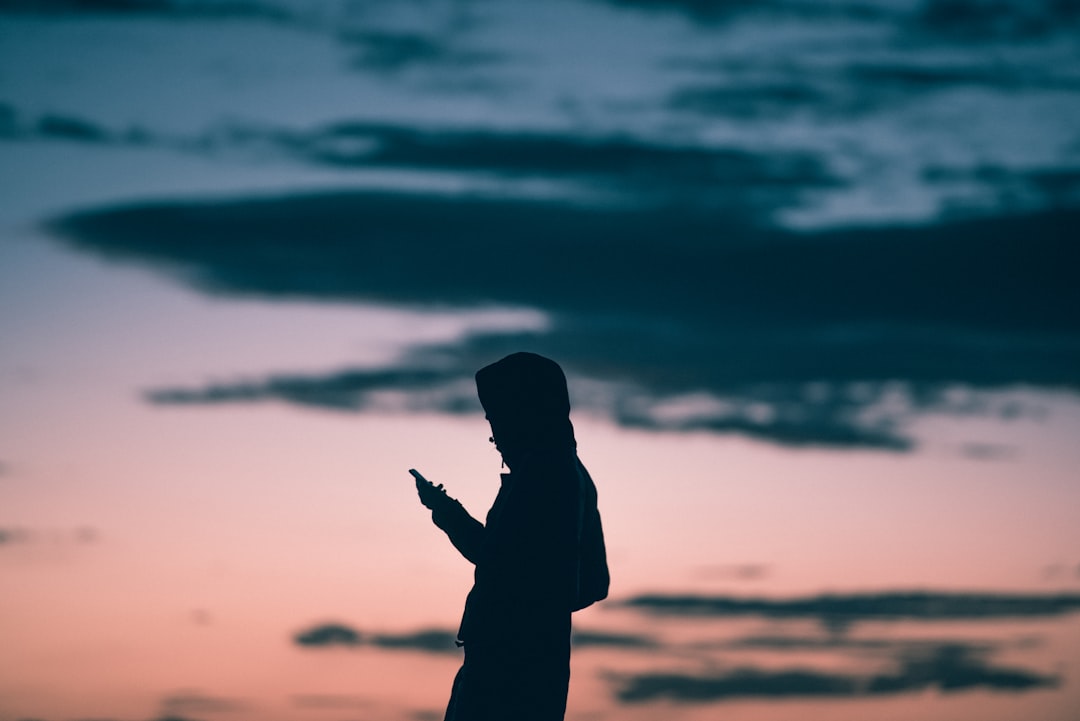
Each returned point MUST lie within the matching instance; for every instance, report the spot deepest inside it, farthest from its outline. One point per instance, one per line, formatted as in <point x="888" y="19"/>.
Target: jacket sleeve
<point x="465" y="532"/>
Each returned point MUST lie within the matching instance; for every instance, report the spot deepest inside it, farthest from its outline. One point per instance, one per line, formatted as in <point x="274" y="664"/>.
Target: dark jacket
<point x="539" y="556"/>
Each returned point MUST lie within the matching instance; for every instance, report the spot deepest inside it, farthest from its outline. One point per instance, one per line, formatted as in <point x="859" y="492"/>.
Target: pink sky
<point x="215" y="534"/>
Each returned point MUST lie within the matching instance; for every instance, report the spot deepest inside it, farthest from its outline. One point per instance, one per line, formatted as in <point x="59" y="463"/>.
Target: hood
<point x="527" y="404"/>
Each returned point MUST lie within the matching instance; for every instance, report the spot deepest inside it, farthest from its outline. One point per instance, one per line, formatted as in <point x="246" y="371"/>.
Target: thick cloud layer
<point x="830" y="338"/>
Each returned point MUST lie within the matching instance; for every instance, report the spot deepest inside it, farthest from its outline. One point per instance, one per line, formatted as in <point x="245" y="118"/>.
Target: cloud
<point x="750" y="100"/>
<point x="714" y="12"/>
<point x="605" y="639"/>
<point x="51" y="126"/>
<point x="846" y="90"/>
<point x="996" y="20"/>
<point x="16" y="125"/>
<point x="189" y="701"/>
<point x="702" y="10"/>
<point x="735" y="571"/>
<point x="68" y="128"/>
<point x="941" y="20"/>
<point x="81" y="535"/>
<point x="325" y="701"/>
<point x="947" y="668"/>
<point x="692" y="318"/>
<point x="685" y="268"/>
<point x="629" y="170"/>
<point x="328" y="634"/>
<point x="394" y="52"/>
<point x="346" y="390"/>
<point x="430" y="640"/>
<point x="170" y="8"/>
<point x="861" y="648"/>
<point x="987" y="451"/>
<point x="778" y="414"/>
<point x="840" y="611"/>
<point x="427" y="715"/>
<point x="1001" y="187"/>
<point x="622" y="162"/>
<point x="89" y="6"/>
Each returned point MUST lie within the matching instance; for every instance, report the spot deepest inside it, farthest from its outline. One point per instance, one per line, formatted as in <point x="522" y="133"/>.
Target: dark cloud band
<point x="840" y="611"/>
<point x="948" y="668"/>
<point x="801" y="335"/>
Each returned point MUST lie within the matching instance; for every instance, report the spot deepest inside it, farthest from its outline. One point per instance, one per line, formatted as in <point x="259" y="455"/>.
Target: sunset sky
<point x="809" y="267"/>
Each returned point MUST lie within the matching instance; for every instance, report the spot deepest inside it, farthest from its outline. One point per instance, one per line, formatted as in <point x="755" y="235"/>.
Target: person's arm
<point x="465" y="532"/>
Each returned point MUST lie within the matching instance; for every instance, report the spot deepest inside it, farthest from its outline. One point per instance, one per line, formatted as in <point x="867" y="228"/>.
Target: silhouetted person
<point x="539" y="556"/>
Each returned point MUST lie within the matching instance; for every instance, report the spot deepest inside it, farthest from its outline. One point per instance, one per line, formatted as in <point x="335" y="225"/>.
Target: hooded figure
<point x="539" y="556"/>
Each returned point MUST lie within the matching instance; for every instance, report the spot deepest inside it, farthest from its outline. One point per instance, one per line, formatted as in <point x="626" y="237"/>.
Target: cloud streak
<point x="328" y="635"/>
<point x="840" y="611"/>
<point x="948" y="668"/>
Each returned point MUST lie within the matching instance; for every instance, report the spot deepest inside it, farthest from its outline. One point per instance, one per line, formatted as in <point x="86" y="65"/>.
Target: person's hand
<point x="432" y="496"/>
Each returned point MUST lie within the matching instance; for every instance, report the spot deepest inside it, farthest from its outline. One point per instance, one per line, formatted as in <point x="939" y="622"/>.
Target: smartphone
<point x="416" y="474"/>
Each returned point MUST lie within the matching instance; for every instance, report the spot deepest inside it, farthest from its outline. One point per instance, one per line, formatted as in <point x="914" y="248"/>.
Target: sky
<point x="807" y="266"/>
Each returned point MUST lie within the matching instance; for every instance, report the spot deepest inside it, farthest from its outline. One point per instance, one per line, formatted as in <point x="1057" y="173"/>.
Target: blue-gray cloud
<point x="167" y="8"/>
<point x="926" y="20"/>
<point x="718" y="12"/>
<point x="394" y="52"/>
<point x="845" y="90"/>
<point x="997" y="20"/>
